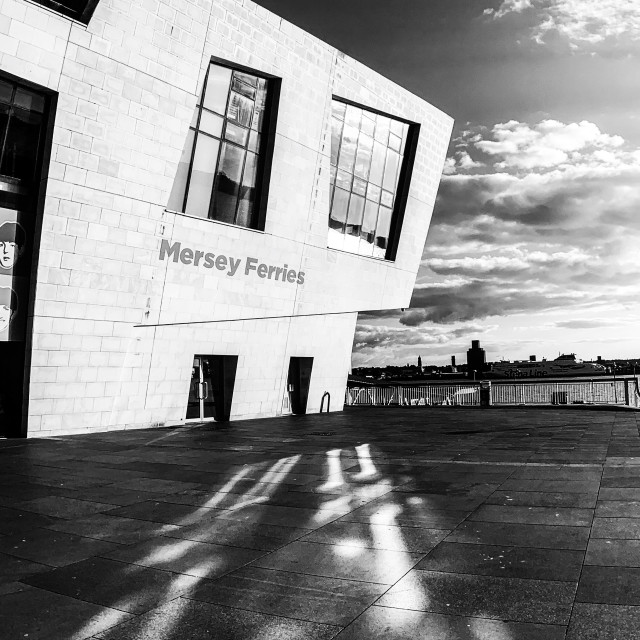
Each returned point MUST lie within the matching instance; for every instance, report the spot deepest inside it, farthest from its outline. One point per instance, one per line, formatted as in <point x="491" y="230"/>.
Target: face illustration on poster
<point x="8" y="309"/>
<point x="13" y="239"/>
<point x="12" y="243"/>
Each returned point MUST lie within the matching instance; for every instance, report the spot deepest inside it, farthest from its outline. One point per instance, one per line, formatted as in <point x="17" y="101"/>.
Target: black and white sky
<point x="534" y="244"/>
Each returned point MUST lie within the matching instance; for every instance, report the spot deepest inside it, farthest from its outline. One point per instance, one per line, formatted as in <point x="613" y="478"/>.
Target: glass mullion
<point x="223" y="134"/>
<point x="240" y="182"/>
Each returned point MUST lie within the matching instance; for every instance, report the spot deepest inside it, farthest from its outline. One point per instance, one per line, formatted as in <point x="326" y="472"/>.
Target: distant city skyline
<point x="533" y="246"/>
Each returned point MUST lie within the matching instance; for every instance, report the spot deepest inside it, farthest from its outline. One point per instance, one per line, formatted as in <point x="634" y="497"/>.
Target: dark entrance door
<point x="211" y="387"/>
<point x="24" y="134"/>
<point x="298" y="383"/>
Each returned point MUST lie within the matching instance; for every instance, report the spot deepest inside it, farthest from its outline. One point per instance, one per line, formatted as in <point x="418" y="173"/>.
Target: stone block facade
<point x="114" y="326"/>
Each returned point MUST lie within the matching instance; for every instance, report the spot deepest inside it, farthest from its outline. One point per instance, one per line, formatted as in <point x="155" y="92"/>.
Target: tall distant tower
<point x="420" y="364"/>
<point x="476" y="360"/>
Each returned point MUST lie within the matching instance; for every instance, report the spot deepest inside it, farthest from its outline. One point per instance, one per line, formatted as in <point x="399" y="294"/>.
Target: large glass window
<point x="81" y="10"/>
<point x="368" y="152"/>
<point x="224" y="162"/>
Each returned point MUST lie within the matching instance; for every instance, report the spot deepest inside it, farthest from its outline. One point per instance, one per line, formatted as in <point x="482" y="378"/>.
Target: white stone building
<point x="196" y="199"/>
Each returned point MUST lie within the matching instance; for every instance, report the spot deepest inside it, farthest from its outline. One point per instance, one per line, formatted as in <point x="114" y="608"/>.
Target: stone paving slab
<point x="430" y="523"/>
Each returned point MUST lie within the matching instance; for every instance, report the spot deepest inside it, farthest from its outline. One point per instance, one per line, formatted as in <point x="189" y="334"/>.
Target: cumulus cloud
<point x="545" y="219"/>
<point x="509" y="6"/>
<point x="582" y="23"/>
<point x="547" y="145"/>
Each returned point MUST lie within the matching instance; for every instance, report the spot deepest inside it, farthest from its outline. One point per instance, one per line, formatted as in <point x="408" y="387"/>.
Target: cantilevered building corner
<point x="195" y="204"/>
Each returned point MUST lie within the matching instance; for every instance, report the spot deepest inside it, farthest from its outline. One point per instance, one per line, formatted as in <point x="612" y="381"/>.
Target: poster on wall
<point x="14" y="287"/>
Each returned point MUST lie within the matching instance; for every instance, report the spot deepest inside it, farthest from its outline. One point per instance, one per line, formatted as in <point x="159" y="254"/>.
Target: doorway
<point x="211" y="387"/>
<point x="298" y="382"/>
<point x="26" y="125"/>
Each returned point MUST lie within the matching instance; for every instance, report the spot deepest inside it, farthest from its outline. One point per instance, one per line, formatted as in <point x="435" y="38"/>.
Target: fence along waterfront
<point x="616" y="392"/>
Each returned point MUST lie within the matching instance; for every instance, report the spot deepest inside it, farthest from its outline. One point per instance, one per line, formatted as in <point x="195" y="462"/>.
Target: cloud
<point x="509" y="6"/>
<point x="583" y="324"/>
<point x="391" y="338"/>
<point x="544" y="146"/>
<point x="545" y="219"/>
<point x="511" y="260"/>
<point x="581" y="23"/>
<point x="480" y="299"/>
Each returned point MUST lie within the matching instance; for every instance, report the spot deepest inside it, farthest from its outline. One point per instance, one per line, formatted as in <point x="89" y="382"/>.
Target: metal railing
<point x="423" y="395"/>
<point x="614" y="392"/>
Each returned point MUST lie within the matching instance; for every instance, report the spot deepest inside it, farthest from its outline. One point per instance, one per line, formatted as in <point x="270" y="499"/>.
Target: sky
<point x="534" y="243"/>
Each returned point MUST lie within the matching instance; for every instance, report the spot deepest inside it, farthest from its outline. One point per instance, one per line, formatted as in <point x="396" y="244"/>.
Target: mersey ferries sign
<point x="232" y="266"/>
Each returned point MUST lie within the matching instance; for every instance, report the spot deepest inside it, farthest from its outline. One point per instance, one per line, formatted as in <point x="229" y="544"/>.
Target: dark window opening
<point x="224" y="169"/>
<point x="26" y="124"/>
<point x="80" y="10"/>
<point x="372" y="157"/>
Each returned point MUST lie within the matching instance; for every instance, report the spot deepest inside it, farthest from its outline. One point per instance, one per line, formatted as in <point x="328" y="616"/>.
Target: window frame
<point x="83" y="16"/>
<point x="404" y="176"/>
<point x="264" y="152"/>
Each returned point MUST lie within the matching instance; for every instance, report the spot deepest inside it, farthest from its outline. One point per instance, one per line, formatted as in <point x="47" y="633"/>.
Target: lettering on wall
<point x="231" y="266"/>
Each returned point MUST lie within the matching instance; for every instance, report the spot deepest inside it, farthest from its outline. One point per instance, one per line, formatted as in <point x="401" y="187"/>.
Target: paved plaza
<point x="432" y="523"/>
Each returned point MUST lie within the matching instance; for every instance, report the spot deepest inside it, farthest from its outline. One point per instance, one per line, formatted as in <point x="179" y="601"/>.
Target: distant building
<point x="420" y="364"/>
<point x="476" y="359"/>
<point x="453" y="364"/>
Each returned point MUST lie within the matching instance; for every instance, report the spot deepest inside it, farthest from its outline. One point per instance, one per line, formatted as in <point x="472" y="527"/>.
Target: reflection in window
<point x="218" y="173"/>
<point x="81" y="10"/>
<point x="367" y="150"/>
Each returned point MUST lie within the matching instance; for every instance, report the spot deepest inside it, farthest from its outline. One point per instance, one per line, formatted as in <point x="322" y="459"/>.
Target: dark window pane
<point x="243" y="88"/>
<point x="211" y="123"/>
<point x="236" y="134"/>
<point x="247" y="191"/>
<point x="254" y="141"/>
<point x="363" y="156"/>
<point x="176" y="199"/>
<point x="348" y="148"/>
<point x="21" y="145"/>
<point x="240" y="109"/>
<point x="391" y="171"/>
<point x="339" y="209"/>
<point x="6" y="91"/>
<point x="336" y="134"/>
<point x="29" y="100"/>
<point x="4" y="123"/>
<point x="202" y="174"/>
<point x="228" y="182"/>
<point x="245" y="77"/>
<point x="218" y="80"/>
<point x="369" y="221"/>
<point x="258" y="109"/>
<point x="354" y="217"/>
